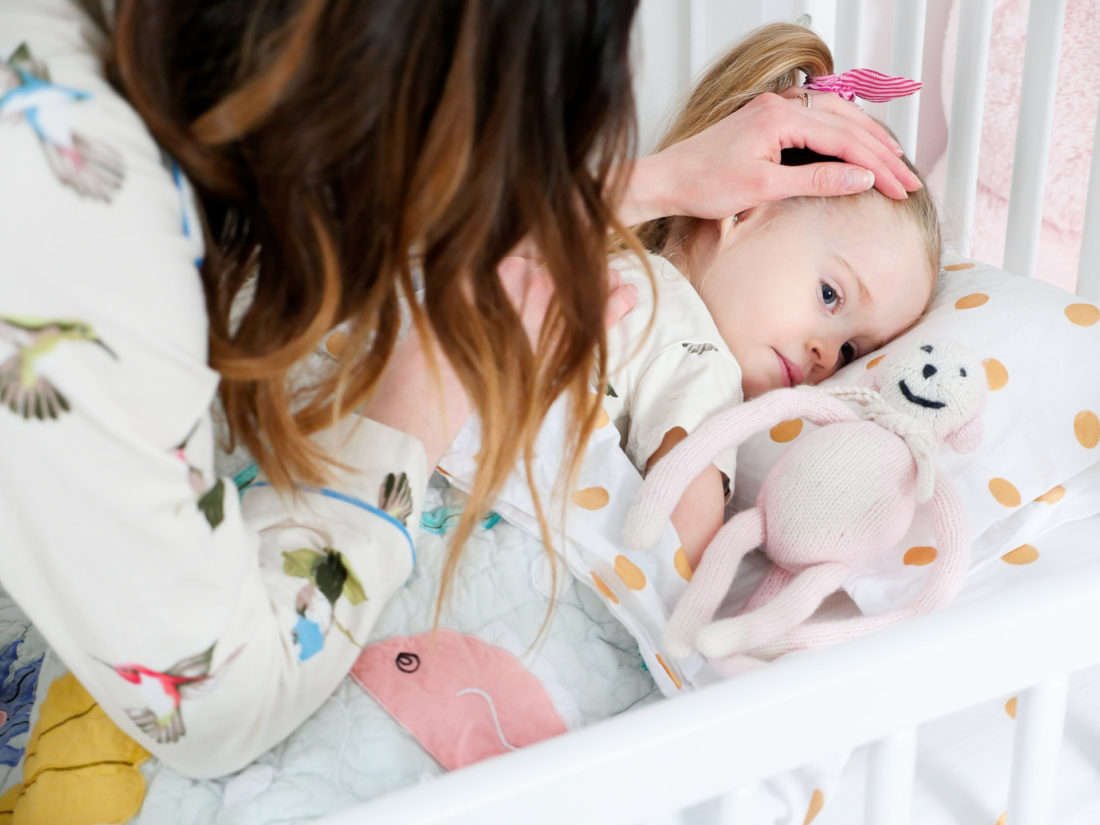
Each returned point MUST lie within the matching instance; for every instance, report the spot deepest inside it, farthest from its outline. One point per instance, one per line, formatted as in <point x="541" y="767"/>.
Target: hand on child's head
<point x="760" y="130"/>
<point x="801" y="288"/>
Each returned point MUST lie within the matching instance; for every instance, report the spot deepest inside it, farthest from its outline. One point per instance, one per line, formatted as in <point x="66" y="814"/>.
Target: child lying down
<point x="782" y="294"/>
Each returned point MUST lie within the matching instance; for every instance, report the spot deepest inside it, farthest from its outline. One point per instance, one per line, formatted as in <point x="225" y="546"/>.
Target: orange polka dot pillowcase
<point x="1038" y="464"/>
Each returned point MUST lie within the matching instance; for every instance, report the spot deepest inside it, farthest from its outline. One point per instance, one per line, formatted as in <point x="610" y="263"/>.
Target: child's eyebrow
<point x="864" y="294"/>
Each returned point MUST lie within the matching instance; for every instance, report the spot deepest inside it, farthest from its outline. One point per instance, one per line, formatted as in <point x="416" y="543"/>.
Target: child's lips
<point x="792" y="373"/>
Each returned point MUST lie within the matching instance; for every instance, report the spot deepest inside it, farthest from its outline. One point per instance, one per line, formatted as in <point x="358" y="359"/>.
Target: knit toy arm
<point x="667" y="480"/>
<point x="945" y="577"/>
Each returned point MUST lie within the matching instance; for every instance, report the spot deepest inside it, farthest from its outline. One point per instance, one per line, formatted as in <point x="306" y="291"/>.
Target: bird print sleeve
<point x="208" y="622"/>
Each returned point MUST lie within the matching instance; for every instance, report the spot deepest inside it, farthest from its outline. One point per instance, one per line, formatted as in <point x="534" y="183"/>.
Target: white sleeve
<point x="682" y="386"/>
<point x="677" y="375"/>
<point x="206" y="624"/>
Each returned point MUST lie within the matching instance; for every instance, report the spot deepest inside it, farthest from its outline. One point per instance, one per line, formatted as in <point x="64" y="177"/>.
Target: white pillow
<point x="1038" y="465"/>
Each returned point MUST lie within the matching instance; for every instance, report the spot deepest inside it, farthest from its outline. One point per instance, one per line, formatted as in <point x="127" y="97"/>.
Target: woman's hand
<point x="734" y="164"/>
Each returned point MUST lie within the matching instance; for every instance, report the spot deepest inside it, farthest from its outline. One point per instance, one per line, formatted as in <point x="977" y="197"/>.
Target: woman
<point x="256" y="175"/>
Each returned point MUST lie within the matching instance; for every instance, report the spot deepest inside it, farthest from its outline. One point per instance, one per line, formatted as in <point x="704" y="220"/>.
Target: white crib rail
<point x="1025" y="206"/>
<point x="1088" y="268"/>
<point x="670" y="755"/>
<point x="907" y="54"/>
<point x="965" y="136"/>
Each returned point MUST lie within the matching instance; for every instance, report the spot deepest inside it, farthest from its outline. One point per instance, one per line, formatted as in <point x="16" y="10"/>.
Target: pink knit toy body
<point x="837" y="498"/>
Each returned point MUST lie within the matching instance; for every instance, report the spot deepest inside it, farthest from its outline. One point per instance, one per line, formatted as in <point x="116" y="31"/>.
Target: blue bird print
<point x="89" y="166"/>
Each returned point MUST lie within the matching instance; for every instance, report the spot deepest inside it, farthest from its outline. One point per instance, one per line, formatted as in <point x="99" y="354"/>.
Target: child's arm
<point x="701" y="509"/>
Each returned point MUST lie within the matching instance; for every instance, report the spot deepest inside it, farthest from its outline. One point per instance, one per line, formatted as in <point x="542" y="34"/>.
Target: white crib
<point x="719" y="743"/>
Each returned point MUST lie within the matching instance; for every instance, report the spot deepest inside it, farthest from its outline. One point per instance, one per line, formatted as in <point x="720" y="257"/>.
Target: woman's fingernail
<point x="897" y="148"/>
<point x="858" y="180"/>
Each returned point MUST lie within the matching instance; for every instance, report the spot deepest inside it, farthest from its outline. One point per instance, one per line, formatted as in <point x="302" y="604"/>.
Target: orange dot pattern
<point x="920" y="556"/>
<point x="817" y="802"/>
<point x="1086" y="426"/>
<point x="675" y="679"/>
<point x="996" y="376"/>
<point x="1024" y="554"/>
<point x="1010" y="707"/>
<point x="1004" y="492"/>
<point x="1053" y="495"/>
<point x="1084" y="315"/>
<point x="957" y="267"/>
<point x="874" y="362"/>
<point x="591" y="498"/>
<point x="971" y="301"/>
<point x="683" y="566"/>
<point x="336" y="344"/>
<point x="601" y="585"/>
<point x="631" y="575"/>
<point x="786" y="431"/>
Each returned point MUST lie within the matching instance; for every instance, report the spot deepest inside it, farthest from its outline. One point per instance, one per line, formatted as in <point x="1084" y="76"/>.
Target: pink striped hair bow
<point x="867" y="84"/>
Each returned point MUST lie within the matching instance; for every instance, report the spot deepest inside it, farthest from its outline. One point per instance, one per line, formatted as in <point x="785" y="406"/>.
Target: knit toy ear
<point x="967" y="437"/>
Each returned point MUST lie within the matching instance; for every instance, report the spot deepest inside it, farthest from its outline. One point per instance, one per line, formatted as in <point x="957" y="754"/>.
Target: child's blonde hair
<point x="772" y="59"/>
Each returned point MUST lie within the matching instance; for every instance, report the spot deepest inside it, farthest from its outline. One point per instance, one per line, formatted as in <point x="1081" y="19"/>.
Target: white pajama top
<point x="678" y="375"/>
<point x="207" y="622"/>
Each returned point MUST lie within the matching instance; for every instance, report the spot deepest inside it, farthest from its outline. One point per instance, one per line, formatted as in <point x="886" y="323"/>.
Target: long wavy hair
<point x="350" y="152"/>
<point x="773" y="58"/>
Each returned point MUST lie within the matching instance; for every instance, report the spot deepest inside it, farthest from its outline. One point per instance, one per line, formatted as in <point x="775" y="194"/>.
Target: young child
<point x="786" y="293"/>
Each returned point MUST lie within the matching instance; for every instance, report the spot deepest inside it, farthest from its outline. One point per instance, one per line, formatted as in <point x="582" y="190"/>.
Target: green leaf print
<point x="353" y="589"/>
<point x="212" y="504"/>
<point x="330" y="574"/>
<point x="300" y="563"/>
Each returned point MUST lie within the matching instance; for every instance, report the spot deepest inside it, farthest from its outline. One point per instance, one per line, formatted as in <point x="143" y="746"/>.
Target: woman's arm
<point x="434" y="407"/>
<point x="734" y="165"/>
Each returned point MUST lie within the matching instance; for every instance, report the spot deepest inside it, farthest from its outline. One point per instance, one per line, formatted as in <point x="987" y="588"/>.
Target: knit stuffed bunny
<point x="838" y="497"/>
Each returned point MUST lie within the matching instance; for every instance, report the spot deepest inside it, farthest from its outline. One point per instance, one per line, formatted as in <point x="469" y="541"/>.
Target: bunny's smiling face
<point x="941" y="384"/>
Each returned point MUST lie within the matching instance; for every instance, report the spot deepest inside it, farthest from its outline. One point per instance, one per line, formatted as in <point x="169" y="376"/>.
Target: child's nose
<point x="825" y="354"/>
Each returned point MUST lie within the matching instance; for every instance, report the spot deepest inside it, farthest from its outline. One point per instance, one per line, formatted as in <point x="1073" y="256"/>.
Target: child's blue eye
<point x="829" y="295"/>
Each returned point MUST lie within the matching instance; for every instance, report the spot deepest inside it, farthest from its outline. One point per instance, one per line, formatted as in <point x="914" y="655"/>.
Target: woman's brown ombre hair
<point x="350" y="152"/>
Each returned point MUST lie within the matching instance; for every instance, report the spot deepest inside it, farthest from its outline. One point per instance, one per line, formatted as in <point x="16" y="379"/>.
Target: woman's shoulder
<point x="98" y="226"/>
<point x="90" y="205"/>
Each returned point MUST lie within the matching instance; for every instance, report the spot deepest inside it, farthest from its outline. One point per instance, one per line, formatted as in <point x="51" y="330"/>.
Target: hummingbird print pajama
<point x="207" y="622"/>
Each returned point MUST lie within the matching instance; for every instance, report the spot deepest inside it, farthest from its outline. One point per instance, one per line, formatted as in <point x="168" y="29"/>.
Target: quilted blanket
<point x="416" y="705"/>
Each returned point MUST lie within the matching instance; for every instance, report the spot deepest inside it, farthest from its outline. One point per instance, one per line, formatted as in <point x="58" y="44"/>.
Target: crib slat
<point x="697" y="37"/>
<point x="1025" y="205"/>
<point x="965" y="134"/>
<point x="1088" y="266"/>
<point x="906" y="59"/>
<point x="892" y="762"/>
<point x="850" y="15"/>
<point x="1040" y="716"/>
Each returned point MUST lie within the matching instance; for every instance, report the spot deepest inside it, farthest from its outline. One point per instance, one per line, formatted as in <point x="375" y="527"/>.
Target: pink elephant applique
<point x="463" y="699"/>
